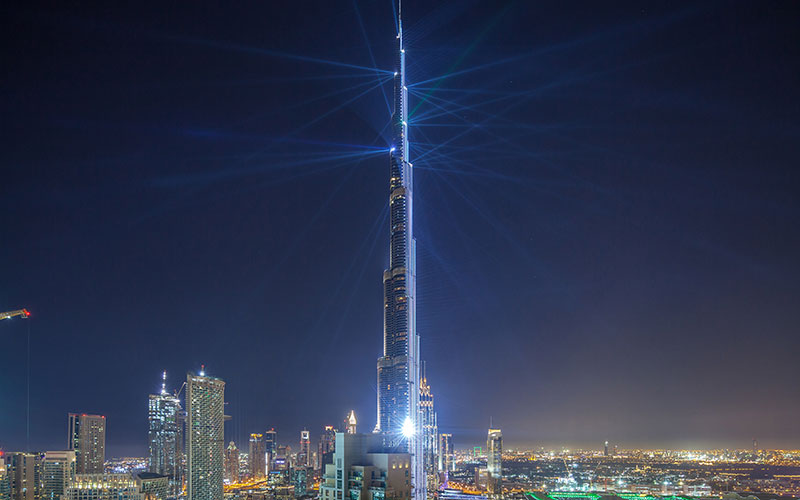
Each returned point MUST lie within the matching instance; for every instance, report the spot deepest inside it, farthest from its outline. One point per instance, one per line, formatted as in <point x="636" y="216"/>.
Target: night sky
<point x="606" y="211"/>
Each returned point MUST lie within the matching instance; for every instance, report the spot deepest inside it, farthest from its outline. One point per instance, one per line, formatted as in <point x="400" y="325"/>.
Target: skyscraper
<point x="398" y="368"/>
<point x="21" y="476"/>
<point x="271" y="446"/>
<point x="494" y="462"/>
<point x="87" y="438"/>
<point x="446" y="456"/>
<point x="165" y="434"/>
<point x="257" y="457"/>
<point x="58" y="469"/>
<point x="304" y="455"/>
<point x="4" y="486"/>
<point x="350" y="422"/>
<point x="232" y="463"/>
<point x="327" y="442"/>
<point x="430" y="433"/>
<point x="205" y="414"/>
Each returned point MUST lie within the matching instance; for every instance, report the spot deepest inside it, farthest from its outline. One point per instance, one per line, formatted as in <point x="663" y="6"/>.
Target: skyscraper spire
<point x="399" y="368"/>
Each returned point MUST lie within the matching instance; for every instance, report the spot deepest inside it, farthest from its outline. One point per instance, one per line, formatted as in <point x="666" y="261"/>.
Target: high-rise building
<point x="4" y="493"/>
<point x="430" y="433"/>
<point x="103" y="487"/>
<point x="304" y="455"/>
<point x="446" y="453"/>
<point x="232" y="463"/>
<point x="363" y="468"/>
<point x="494" y="462"/>
<point x="257" y="457"/>
<point x="605" y="449"/>
<point x="21" y="475"/>
<point x="398" y="367"/>
<point x="57" y="471"/>
<point x="205" y="415"/>
<point x="350" y="422"/>
<point x="327" y="443"/>
<point x="165" y="435"/>
<point x="87" y="438"/>
<point x="271" y="447"/>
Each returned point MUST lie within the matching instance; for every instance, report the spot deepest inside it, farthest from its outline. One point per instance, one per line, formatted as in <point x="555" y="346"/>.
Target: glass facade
<point x="165" y="436"/>
<point x="205" y="413"/>
<point x="494" y="462"/>
<point x="398" y="368"/>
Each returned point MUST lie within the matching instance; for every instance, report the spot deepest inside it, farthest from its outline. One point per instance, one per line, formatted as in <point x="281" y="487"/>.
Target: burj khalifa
<point x="399" y="367"/>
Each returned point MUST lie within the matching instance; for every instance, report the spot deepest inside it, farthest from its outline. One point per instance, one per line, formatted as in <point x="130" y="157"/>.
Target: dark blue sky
<point x="606" y="214"/>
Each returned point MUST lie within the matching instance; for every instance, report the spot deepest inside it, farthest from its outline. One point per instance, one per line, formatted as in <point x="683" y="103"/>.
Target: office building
<point x="165" y="435"/>
<point x="257" y="458"/>
<point x="494" y="462"/>
<point x="57" y="471"/>
<point x="87" y="438"/>
<point x="453" y="494"/>
<point x="304" y="455"/>
<point x="21" y="476"/>
<point x="205" y="414"/>
<point x="232" y="463"/>
<point x="271" y="447"/>
<point x="430" y="433"/>
<point x="300" y="479"/>
<point x="4" y="486"/>
<point x="325" y="449"/>
<point x="362" y="469"/>
<point x="446" y="453"/>
<point x="350" y="423"/>
<point x="154" y="486"/>
<point x="103" y="487"/>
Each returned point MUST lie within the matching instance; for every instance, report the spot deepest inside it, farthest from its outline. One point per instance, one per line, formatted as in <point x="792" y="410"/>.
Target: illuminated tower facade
<point x="494" y="462"/>
<point x="257" y="458"/>
<point x="165" y="434"/>
<point x="430" y="433"/>
<point x="87" y="438"/>
<point x="58" y="469"/>
<point x="232" y="463"/>
<point x="304" y="455"/>
<point x="447" y="461"/>
<point x="271" y="446"/>
<point x="350" y="422"/>
<point x="326" y="446"/>
<point x="398" y="369"/>
<point x="205" y="448"/>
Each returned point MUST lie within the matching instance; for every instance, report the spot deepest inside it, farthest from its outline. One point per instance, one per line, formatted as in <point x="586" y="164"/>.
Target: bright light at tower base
<point x="408" y="428"/>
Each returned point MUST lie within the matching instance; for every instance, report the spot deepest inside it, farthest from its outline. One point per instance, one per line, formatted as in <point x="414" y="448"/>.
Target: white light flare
<point x="408" y="428"/>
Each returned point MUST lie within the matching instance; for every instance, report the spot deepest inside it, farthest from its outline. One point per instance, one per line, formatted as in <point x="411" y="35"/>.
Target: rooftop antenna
<point x="164" y="382"/>
<point x="202" y="370"/>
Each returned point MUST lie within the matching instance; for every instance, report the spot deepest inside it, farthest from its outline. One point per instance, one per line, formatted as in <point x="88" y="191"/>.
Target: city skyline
<point x="606" y="203"/>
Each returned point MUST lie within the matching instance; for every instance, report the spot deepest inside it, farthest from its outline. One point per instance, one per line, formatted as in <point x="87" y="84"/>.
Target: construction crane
<point x="10" y="314"/>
